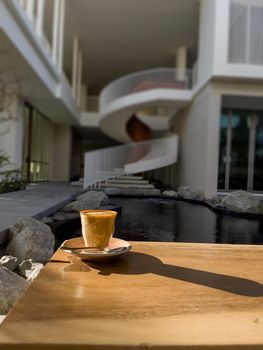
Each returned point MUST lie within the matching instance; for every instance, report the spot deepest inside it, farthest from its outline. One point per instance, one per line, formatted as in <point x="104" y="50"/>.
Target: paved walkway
<point x="37" y="200"/>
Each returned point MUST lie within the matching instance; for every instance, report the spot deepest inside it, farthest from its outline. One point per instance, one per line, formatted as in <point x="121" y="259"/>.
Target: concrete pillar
<point x="61" y="35"/>
<point x="11" y="135"/>
<point x="79" y="82"/>
<point x="75" y="66"/>
<point x="221" y="33"/>
<point x="55" y="30"/>
<point x="40" y="16"/>
<point x="61" y="152"/>
<point x="181" y="63"/>
<point x="211" y="153"/>
<point x="213" y="38"/>
<point x="30" y="5"/>
<point x="198" y="128"/>
<point x="23" y="3"/>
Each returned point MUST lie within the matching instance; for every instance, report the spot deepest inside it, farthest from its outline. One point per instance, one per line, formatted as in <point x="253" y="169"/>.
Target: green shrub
<point x="11" y="180"/>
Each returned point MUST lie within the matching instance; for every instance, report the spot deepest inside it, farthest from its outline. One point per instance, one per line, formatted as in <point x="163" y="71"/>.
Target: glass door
<point x="258" y="167"/>
<point x="241" y="151"/>
<point x="36" y="150"/>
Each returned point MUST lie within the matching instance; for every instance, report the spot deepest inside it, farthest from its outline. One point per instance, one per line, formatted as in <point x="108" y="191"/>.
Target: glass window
<point x="258" y="171"/>
<point x="37" y="136"/>
<point x="241" y="150"/>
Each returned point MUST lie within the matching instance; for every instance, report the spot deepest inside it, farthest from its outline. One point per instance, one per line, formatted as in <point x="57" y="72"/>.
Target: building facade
<point x="57" y="56"/>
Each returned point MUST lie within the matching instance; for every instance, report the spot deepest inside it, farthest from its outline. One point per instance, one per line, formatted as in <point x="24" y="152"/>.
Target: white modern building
<point x="84" y="74"/>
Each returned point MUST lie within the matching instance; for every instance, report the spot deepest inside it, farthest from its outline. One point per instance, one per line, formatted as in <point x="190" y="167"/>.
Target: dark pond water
<point x="175" y="221"/>
<point x="172" y="221"/>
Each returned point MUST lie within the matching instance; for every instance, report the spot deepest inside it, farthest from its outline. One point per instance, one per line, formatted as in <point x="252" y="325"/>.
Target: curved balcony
<point x="119" y="103"/>
<point x="125" y="96"/>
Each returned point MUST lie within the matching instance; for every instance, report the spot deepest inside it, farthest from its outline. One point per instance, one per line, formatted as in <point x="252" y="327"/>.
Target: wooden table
<point x="160" y="295"/>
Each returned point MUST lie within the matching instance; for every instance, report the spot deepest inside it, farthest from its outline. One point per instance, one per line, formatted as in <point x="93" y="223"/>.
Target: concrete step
<point x="136" y="186"/>
<point x="131" y="191"/>
<point x="130" y="177"/>
<point x="139" y="182"/>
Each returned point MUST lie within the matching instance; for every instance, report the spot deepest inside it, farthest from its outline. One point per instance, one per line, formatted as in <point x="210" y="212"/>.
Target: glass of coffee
<point x="97" y="227"/>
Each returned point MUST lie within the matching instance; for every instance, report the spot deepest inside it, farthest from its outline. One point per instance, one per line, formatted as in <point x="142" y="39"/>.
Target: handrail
<point x="103" y="164"/>
<point x="158" y="78"/>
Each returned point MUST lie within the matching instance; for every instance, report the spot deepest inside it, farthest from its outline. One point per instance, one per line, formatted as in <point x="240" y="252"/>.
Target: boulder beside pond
<point x="241" y="201"/>
<point x="12" y="286"/>
<point x="31" y="239"/>
<point x="170" y="193"/>
<point x="88" y="200"/>
<point x="187" y="193"/>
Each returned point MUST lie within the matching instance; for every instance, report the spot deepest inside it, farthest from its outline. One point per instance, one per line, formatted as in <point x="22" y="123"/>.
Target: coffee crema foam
<point x="97" y="213"/>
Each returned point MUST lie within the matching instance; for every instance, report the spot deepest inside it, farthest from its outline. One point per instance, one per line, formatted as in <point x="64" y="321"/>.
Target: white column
<point x="79" y="79"/>
<point x="181" y="62"/>
<point x="30" y="5"/>
<point x="61" y="152"/>
<point x="61" y="35"/>
<point x="75" y="66"/>
<point x="40" y="16"/>
<point x="220" y="28"/>
<point x="23" y="3"/>
<point x="55" y="30"/>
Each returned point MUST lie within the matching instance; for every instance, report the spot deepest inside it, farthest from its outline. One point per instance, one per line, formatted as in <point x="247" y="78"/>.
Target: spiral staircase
<point x="137" y="110"/>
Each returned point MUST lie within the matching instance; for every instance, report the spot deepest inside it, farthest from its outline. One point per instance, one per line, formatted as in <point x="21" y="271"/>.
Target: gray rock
<point x="59" y="217"/>
<point x="31" y="239"/>
<point x="215" y="201"/>
<point x="12" y="286"/>
<point x="62" y="216"/>
<point x="88" y="200"/>
<point x="47" y="220"/>
<point x="9" y="261"/>
<point x="30" y="269"/>
<point x="241" y="201"/>
<point x="172" y="194"/>
<point x="97" y="196"/>
<point x="112" y="190"/>
<point x="187" y="193"/>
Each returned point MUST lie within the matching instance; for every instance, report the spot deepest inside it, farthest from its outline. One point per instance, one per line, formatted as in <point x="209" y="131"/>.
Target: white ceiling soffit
<point x="119" y="37"/>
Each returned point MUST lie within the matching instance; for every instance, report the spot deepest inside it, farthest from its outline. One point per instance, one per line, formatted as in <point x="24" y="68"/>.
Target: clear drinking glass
<point x="98" y="227"/>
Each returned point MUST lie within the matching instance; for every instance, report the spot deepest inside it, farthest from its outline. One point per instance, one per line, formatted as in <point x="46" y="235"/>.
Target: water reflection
<point x="234" y="230"/>
<point x="170" y="221"/>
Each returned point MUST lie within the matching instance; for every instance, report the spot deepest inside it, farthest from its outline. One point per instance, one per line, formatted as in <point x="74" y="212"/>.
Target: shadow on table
<point x="139" y="263"/>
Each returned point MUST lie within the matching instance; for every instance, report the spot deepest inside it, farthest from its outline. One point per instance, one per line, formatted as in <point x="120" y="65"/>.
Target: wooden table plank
<point x="159" y="295"/>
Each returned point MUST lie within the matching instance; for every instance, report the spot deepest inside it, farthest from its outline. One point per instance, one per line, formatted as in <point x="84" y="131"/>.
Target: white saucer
<point x="116" y="247"/>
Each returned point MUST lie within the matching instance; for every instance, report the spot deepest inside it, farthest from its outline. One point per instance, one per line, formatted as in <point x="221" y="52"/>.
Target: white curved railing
<point x="158" y="78"/>
<point x="143" y="156"/>
<point x="104" y="164"/>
